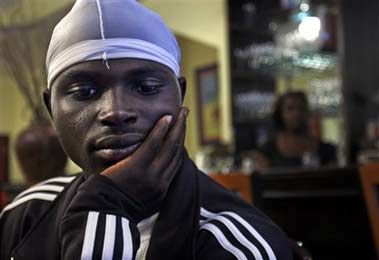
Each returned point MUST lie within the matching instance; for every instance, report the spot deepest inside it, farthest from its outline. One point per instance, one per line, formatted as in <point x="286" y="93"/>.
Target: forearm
<point x="100" y="220"/>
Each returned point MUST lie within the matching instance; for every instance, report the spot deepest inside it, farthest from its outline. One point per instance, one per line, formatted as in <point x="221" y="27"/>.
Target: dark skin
<point x="294" y="140"/>
<point x="295" y="115"/>
<point x="126" y="123"/>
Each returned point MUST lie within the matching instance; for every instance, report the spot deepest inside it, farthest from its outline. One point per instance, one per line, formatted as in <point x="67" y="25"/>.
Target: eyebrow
<point x="73" y="75"/>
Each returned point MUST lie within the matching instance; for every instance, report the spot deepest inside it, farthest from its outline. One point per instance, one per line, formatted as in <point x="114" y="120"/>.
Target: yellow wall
<point x="204" y="21"/>
<point x="29" y="11"/>
<point x="194" y="56"/>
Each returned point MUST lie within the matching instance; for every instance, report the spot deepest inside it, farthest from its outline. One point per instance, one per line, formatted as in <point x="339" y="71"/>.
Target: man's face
<point x="102" y="115"/>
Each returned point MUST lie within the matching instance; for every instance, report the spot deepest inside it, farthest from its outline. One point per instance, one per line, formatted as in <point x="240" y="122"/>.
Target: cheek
<point x="71" y="125"/>
<point x="164" y="105"/>
<point x="67" y="118"/>
<point x="157" y="111"/>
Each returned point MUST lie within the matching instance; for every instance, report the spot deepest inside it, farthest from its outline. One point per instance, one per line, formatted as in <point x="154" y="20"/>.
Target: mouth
<point x="116" y="148"/>
<point x="112" y="154"/>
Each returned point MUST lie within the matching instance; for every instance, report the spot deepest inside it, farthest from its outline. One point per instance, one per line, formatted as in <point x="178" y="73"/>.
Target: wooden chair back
<point x="237" y="182"/>
<point x="370" y="182"/>
<point x="322" y="207"/>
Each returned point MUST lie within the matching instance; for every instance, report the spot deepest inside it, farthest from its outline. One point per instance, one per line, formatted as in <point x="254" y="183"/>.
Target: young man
<point x="115" y="97"/>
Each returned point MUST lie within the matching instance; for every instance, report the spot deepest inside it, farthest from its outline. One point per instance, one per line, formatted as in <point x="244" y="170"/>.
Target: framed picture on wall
<point x="4" y="164"/>
<point x="209" y="121"/>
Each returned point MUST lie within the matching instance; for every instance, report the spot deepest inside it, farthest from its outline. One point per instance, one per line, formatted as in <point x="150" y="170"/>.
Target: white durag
<point x="110" y="29"/>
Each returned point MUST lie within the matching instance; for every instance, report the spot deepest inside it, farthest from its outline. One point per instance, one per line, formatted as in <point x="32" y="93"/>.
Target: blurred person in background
<point x="294" y="143"/>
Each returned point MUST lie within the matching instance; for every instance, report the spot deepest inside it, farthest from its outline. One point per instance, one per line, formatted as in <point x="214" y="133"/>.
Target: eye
<point x="148" y="87"/>
<point x="147" y="90"/>
<point x="83" y="91"/>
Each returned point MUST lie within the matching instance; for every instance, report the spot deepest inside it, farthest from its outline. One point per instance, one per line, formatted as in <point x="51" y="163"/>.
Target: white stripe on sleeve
<point x="58" y="179"/>
<point x="109" y="239"/>
<point x="127" y="253"/>
<point x="33" y="196"/>
<point x="89" y="236"/>
<point x="224" y="242"/>
<point x="239" y="236"/>
<point x="255" y="233"/>
<point x="52" y="188"/>
<point x="244" y="223"/>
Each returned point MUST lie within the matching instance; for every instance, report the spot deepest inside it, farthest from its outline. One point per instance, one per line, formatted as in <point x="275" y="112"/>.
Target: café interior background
<point x="207" y="36"/>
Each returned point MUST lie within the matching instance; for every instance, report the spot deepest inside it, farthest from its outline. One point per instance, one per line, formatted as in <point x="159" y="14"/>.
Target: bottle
<point x="310" y="159"/>
<point x="341" y="153"/>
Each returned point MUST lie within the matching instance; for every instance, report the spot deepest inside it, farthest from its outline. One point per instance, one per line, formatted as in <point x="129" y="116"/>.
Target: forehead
<point x="116" y="68"/>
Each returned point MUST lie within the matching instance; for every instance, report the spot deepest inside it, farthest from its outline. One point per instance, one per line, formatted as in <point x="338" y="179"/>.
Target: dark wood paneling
<point x="324" y="208"/>
<point x="4" y="159"/>
<point x="249" y="25"/>
<point x="359" y="52"/>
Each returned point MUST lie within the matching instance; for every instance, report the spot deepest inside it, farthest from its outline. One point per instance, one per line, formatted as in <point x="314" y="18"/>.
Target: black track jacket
<point x="90" y="217"/>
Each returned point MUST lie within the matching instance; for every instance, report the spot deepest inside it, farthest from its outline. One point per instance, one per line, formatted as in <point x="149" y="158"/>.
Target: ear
<point x="46" y="99"/>
<point x="183" y="86"/>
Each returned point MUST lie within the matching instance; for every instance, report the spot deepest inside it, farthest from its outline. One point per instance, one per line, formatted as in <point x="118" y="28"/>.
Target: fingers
<point x="150" y="147"/>
<point x="174" y="141"/>
<point x="174" y="164"/>
<point x="167" y="174"/>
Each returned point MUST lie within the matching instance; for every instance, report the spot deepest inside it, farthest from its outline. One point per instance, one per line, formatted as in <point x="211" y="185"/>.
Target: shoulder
<point x="269" y="148"/>
<point x="239" y="228"/>
<point x="40" y="195"/>
<point x="25" y="212"/>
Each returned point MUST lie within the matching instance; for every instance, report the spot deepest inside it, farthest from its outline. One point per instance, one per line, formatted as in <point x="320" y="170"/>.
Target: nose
<point x="117" y="109"/>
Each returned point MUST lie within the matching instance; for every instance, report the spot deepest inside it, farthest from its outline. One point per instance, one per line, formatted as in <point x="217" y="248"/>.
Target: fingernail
<point x="168" y="119"/>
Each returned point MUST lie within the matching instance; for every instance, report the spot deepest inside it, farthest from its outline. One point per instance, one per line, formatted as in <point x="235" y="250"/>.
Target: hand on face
<point x="148" y="172"/>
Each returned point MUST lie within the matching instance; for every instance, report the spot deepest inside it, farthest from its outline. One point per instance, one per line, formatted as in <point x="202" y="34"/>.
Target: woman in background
<point x="294" y="143"/>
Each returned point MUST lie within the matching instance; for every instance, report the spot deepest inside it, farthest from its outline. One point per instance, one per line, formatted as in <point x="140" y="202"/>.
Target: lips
<point x="115" y="148"/>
